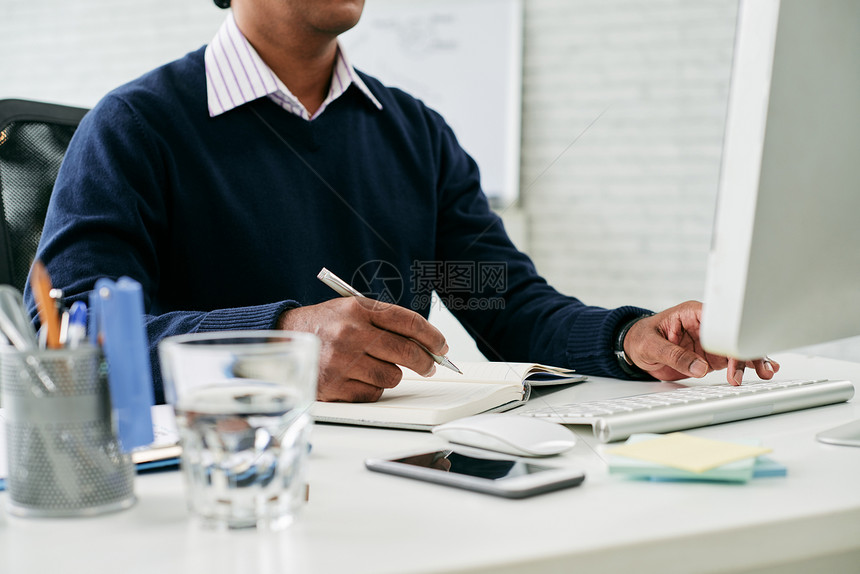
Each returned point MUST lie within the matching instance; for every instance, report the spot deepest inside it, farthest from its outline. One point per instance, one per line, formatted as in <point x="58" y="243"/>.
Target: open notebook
<point x="422" y="403"/>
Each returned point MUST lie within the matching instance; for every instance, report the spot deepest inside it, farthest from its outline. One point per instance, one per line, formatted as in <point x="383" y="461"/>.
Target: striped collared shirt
<point x="236" y="75"/>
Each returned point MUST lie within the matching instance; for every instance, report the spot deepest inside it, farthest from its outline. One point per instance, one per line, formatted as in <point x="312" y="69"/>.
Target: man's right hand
<point x="363" y="341"/>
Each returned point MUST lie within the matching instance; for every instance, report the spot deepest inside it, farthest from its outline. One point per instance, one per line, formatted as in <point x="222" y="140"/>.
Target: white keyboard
<point x="689" y="407"/>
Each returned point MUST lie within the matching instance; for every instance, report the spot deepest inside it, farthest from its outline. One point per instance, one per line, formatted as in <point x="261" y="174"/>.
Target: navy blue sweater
<point x="226" y="221"/>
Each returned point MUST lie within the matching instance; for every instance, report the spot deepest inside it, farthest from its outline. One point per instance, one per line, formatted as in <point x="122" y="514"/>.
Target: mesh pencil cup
<point x="63" y="455"/>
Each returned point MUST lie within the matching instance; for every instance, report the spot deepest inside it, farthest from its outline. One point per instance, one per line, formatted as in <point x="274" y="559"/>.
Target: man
<point x="223" y="182"/>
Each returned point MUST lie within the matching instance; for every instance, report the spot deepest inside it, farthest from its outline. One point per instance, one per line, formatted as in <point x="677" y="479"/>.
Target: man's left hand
<point x="667" y="347"/>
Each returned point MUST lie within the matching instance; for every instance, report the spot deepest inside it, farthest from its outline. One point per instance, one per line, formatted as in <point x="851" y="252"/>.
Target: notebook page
<point x="437" y="395"/>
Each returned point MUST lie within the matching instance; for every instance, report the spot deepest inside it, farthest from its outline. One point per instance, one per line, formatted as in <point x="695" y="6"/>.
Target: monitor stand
<point x="847" y="434"/>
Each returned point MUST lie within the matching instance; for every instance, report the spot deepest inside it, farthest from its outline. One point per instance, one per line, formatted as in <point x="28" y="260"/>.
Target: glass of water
<point x="242" y="401"/>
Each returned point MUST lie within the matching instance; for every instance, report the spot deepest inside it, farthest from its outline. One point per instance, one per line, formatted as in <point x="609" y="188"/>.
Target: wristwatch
<point x="629" y="367"/>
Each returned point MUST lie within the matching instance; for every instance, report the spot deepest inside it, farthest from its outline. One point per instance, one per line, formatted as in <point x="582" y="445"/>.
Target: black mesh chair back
<point x="33" y="141"/>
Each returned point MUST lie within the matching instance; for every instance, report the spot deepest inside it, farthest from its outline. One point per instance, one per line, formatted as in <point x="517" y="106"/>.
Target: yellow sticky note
<point x="687" y="452"/>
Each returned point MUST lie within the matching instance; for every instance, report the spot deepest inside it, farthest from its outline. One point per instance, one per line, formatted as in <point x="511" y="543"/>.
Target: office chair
<point x="33" y="141"/>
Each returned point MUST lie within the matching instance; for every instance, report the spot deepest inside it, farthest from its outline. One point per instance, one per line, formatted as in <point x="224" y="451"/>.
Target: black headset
<point x="222" y="3"/>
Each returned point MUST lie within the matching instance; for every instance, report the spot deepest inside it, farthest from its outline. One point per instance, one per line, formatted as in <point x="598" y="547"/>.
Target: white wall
<point x="623" y="110"/>
<point x="74" y="52"/>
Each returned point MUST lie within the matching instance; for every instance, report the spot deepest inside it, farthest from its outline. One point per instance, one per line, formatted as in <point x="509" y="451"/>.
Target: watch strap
<point x="624" y="363"/>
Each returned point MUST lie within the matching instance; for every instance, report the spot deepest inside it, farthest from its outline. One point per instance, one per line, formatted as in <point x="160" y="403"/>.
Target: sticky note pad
<point x="739" y="471"/>
<point x="687" y="452"/>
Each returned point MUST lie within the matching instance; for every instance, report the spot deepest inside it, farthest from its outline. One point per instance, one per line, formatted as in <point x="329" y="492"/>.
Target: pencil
<point x="40" y="282"/>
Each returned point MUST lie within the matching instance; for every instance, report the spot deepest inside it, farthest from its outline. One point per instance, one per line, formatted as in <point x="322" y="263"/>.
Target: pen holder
<point x="63" y="455"/>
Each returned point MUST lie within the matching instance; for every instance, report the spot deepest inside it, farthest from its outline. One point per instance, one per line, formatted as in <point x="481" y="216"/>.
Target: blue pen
<point x="77" y="330"/>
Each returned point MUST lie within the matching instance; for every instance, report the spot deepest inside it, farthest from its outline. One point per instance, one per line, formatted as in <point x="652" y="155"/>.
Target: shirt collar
<point x="236" y="75"/>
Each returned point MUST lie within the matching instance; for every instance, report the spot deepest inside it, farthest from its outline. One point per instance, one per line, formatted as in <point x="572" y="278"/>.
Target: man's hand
<point x="363" y="341"/>
<point x="666" y="345"/>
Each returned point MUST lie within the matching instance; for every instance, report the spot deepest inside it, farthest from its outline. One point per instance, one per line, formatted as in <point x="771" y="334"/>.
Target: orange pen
<point x="40" y="282"/>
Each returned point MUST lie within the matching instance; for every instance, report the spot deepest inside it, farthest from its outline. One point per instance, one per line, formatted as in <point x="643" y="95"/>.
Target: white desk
<point x="358" y="521"/>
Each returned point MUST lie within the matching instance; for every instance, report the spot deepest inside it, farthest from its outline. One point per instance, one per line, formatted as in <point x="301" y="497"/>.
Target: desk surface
<point x="358" y="521"/>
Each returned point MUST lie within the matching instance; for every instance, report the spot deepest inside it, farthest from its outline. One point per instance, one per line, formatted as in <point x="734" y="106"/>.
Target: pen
<point x="40" y="281"/>
<point x="77" y="330"/>
<point x="64" y="327"/>
<point x="344" y="289"/>
<point x="15" y="325"/>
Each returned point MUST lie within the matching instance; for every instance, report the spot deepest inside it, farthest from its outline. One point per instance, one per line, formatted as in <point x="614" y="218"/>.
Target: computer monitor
<point x="784" y="266"/>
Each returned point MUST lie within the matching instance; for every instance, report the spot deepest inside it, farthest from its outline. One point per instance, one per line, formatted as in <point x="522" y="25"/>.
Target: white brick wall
<point x="624" y="214"/>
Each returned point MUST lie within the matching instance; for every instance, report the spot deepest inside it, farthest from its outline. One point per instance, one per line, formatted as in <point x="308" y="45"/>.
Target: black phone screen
<point x="488" y="468"/>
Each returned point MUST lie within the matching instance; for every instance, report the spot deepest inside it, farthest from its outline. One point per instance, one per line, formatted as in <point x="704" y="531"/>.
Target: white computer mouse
<point x="509" y="433"/>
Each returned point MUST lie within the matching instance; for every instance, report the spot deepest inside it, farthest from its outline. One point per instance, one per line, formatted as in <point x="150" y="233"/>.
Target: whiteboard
<point x="463" y="58"/>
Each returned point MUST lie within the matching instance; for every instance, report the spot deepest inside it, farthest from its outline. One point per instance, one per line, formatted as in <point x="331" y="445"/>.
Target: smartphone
<point x="507" y="477"/>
